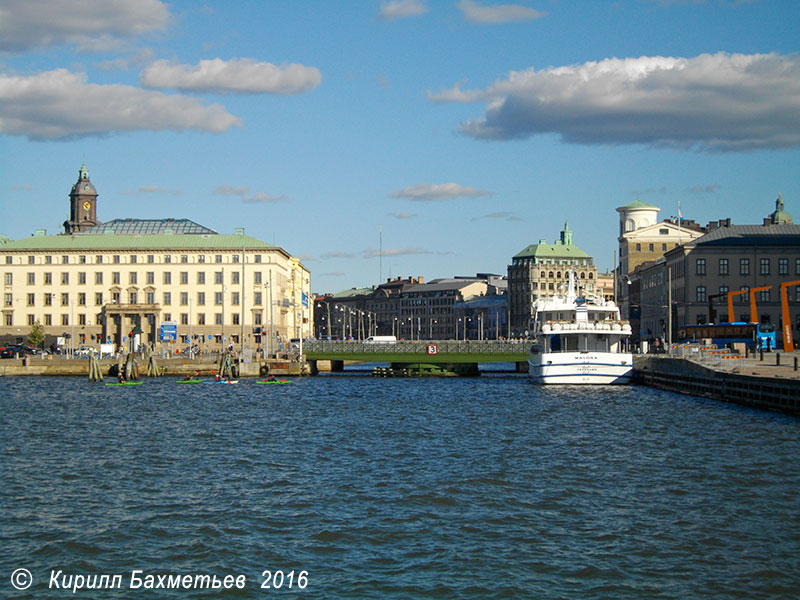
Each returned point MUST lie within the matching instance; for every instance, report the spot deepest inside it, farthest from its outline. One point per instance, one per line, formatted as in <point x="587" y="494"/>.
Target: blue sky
<point x="464" y="130"/>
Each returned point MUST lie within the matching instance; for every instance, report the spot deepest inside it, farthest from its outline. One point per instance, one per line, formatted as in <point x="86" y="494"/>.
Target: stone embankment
<point x="771" y="383"/>
<point x="36" y="365"/>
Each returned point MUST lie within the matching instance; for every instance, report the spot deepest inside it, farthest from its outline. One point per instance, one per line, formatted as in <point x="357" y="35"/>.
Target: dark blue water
<point x="399" y="488"/>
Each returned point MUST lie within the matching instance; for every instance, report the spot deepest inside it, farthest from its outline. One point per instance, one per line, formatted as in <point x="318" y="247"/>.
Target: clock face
<point x="86" y="206"/>
<point x="86" y="187"/>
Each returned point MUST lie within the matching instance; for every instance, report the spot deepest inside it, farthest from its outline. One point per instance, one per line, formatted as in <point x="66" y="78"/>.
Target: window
<point x="48" y="319"/>
<point x="82" y="278"/>
<point x="167" y="258"/>
<point x="9" y="317"/>
<point x="116" y="259"/>
<point x="257" y="278"/>
<point x="48" y="260"/>
<point x="744" y="266"/>
<point x="701" y="266"/>
<point x="184" y="319"/>
<point x="652" y="248"/>
<point x="31" y="278"/>
<point x="98" y="298"/>
<point x="167" y="300"/>
<point x="82" y="259"/>
<point x="235" y="258"/>
<point x="48" y="299"/>
<point x="218" y="319"/>
<point x="723" y="266"/>
<point x="9" y="278"/>
<point x="235" y="277"/>
<point x="184" y="258"/>
<point x="65" y="260"/>
<point x="235" y="318"/>
<point x="235" y="298"/>
<point x="184" y="277"/>
<point x="723" y="289"/>
<point x="151" y="258"/>
<point x="218" y="258"/>
<point x="65" y="319"/>
<point x="98" y="278"/>
<point x="65" y="299"/>
<point x="700" y="293"/>
<point x="257" y="258"/>
<point x="168" y="316"/>
<point x="218" y="298"/>
<point x="201" y="318"/>
<point x="133" y="259"/>
<point x="150" y="297"/>
<point x="257" y="298"/>
<point x="150" y="278"/>
<point x="638" y="247"/>
<point x="116" y="277"/>
<point x="764" y="264"/>
<point x="31" y="299"/>
<point x="31" y="319"/>
<point x="663" y="247"/>
<point x="65" y="279"/>
<point x="201" y="298"/>
<point x="797" y="266"/>
<point x="31" y="260"/>
<point x="115" y="298"/>
<point x="82" y="299"/>
<point x="133" y="277"/>
<point x="133" y="297"/>
<point x="783" y="266"/>
<point x="99" y="259"/>
<point x="257" y="318"/>
<point x="201" y="258"/>
<point x="81" y="319"/>
<point x="744" y="297"/>
<point x="763" y="296"/>
<point x="167" y="278"/>
<point x="218" y="277"/>
<point x="201" y="278"/>
<point x="184" y="298"/>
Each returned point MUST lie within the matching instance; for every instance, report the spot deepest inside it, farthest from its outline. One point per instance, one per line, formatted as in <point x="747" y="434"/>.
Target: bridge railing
<point x="417" y="347"/>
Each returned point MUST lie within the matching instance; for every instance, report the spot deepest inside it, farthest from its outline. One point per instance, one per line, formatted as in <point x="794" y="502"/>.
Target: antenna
<point x="380" y="255"/>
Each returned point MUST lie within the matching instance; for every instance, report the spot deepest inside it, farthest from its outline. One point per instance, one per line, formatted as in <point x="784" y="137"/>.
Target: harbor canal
<point x="468" y="488"/>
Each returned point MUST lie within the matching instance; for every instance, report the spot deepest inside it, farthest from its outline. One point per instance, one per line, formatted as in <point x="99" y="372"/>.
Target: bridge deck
<point x="407" y="352"/>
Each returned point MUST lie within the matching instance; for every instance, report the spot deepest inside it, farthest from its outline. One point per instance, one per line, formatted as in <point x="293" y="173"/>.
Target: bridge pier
<point x="337" y="366"/>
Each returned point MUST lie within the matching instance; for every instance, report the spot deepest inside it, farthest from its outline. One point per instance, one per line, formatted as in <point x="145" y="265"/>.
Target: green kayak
<point x="188" y="380"/>
<point x="127" y="383"/>
<point x="264" y="381"/>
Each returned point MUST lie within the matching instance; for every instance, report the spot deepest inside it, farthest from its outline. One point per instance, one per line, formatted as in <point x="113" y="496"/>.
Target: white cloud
<point x="91" y="24"/>
<point x="402" y="215"/>
<point x="714" y="102"/>
<point x="59" y="104"/>
<point x="505" y="216"/>
<point x="336" y="254"/>
<point x="401" y="9"/>
<point x="242" y="192"/>
<point x="425" y="192"/>
<point x="236" y="76"/>
<point x="374" y="252"/>
<point x="499" y="13"/>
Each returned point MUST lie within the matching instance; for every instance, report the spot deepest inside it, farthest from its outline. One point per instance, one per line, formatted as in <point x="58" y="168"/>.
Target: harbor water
<point x="486" y="487"/>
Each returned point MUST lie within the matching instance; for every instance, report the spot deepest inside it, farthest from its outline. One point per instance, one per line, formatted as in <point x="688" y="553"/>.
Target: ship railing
<point x="622" y="327"/>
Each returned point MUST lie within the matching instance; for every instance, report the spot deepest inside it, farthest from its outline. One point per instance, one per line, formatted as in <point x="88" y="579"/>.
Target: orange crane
<point x="788" y="342"/>
<point x="753" y="310"/>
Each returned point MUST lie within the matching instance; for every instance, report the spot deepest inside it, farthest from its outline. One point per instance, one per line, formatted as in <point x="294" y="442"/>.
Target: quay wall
<point x="764" y="391"/>
<point x="172" y="367"/>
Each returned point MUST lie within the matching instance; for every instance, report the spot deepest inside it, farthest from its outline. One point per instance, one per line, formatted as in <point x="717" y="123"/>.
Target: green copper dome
<point x="780" y="216"/>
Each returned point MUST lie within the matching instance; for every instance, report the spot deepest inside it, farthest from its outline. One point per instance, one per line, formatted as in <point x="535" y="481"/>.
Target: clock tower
<point x="82" y="204"/>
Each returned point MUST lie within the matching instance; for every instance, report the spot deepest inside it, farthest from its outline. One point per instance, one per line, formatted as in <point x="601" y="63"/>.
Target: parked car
<point x="13" y="351"/>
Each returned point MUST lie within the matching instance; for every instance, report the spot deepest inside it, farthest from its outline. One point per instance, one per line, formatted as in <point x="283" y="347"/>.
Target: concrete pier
<point x="772" y="384"/>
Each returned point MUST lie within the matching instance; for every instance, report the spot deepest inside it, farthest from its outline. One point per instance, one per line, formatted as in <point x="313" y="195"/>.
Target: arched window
<point x="551" y="274"/>
<point x="583" y="275"/>
<point x="558" y="274"/>
<point x="591" y="276"/>
<point x="543" y="275"/>
<point x="630" y="225"/>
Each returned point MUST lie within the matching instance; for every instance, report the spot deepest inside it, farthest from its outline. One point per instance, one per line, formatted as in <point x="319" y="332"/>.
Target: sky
<point x="378" y="139"/>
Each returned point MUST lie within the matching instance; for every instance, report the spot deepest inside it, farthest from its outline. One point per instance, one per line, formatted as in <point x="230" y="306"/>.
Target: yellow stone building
<point x="100" y="282"/>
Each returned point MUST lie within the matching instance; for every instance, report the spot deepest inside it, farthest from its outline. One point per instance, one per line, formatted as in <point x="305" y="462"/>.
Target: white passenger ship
<point x="579" y="340"/>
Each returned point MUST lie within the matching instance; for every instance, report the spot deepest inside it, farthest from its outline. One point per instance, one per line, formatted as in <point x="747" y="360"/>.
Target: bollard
<point x="795" y="363"/>
<point x="761" y="354"/>
<point x="777" y="360"/>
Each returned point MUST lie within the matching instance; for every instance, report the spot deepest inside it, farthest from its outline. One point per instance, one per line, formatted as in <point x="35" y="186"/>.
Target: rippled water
<point x="485" y="487"/>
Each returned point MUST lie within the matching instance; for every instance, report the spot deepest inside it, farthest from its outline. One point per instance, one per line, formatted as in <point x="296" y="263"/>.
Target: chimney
<point x="420" y="280"/>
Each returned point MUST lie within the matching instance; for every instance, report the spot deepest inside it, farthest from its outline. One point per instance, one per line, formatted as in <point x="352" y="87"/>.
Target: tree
<point x="36" y="336"/>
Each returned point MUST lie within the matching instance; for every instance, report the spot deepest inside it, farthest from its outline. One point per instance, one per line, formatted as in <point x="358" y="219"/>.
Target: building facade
<point x="728" y="258"/>
<point x="104" y="282"/>
<point x="542" y="270"/>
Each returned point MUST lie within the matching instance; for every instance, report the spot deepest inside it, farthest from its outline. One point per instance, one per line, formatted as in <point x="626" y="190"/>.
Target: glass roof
<point x="148" y="226"/>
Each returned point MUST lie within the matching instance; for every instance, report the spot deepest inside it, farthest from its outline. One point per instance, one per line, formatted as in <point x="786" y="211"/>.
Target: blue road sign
<point x="169" y="331"/>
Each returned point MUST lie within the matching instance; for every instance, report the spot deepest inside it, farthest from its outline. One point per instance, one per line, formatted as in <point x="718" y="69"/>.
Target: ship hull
<point x="580" y="368"/>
